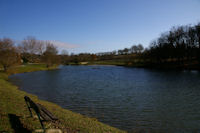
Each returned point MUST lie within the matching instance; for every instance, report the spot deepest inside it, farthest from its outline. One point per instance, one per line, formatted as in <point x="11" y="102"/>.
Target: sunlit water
<point x="126" y="98"/>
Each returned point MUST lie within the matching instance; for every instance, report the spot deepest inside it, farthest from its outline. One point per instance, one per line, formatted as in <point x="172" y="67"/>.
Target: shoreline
<point x="13" y="103"/>
<point x="169" y="68"/>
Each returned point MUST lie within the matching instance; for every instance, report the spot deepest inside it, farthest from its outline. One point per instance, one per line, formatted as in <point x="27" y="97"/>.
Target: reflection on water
<point x="127" y="98"/>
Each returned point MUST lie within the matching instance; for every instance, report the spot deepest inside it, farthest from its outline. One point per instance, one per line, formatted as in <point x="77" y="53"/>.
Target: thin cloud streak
<point x="63" y="45"/>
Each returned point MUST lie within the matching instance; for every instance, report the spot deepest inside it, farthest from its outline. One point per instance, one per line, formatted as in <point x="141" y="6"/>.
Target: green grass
<point x="12" y="104"/>
<point x="108" y="62"/>
<point x="29" y="68"/>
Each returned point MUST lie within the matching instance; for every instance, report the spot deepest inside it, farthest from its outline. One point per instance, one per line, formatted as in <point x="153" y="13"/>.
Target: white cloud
<point x="63" y="45"/>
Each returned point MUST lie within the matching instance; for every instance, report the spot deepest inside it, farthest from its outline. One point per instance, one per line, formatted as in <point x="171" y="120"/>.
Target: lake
<point x="123" y="97"/>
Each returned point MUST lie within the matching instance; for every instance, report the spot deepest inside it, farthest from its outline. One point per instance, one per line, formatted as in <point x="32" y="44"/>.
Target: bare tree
<point x="50" y="55"/>
<point x="31" y="49"/>
<point x="40" y="47"/>
<point x="134" y="49"/>
<point x="8" y="53"/>
<point x="125" y="50"/>
<point x="140" y="48"/>
<point x="64" y="52"/>
<point x="29" y="45"/>
<point x="64" y="57"/>
<point x="198" y="34"/>
<point x="120" y="52"/>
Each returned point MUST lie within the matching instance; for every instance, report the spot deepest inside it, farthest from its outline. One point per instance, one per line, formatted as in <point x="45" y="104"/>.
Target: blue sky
<point x="94" y="25"/>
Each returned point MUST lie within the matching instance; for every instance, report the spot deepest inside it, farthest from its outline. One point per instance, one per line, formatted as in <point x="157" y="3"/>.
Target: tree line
<point x="180" y="46"/>
<point x="29" y="50"/>
<point x="177" y="48"/>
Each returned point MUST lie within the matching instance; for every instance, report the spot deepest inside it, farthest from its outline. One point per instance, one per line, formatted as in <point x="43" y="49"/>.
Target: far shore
<point x="163" y="66"/>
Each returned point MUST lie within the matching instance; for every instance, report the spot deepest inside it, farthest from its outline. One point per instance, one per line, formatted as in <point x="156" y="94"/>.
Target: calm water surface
<point x="126" y="98"/>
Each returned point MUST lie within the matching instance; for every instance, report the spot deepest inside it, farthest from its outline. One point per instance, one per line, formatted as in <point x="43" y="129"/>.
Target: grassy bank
<point x="185" y="65"/>
<point x="108" y="62"/>
<point x="14" y="114"/>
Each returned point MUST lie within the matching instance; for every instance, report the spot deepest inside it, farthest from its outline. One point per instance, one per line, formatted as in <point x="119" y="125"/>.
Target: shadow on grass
<point x="17" y="125"/>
